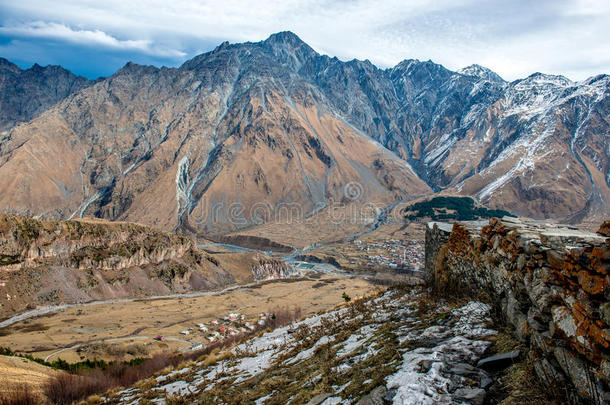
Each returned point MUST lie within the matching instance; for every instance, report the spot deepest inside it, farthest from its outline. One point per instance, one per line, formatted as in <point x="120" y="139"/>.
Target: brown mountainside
<point x="169" y="147"/>
<point x="236" y="135"/>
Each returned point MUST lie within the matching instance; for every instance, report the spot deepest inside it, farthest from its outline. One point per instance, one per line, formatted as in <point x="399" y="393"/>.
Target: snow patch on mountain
<point x="481" y="72"/>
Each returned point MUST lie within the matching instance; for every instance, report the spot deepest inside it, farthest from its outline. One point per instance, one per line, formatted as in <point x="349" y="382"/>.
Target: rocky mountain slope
<point x="24" y="94"/>
<point x="235" y="135"/>
<point x="393" y="349"/>
<point x="50" y="263"/>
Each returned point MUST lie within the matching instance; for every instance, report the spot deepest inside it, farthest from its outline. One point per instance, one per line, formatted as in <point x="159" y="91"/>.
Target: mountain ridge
<point x="217" y="127"/>
<point x="26" y="93"/>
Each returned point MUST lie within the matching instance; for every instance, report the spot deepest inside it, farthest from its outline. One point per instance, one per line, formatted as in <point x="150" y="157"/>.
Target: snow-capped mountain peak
<point x="481" y="72"/>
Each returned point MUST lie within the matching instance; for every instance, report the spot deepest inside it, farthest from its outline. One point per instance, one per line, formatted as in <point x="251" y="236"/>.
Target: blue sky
<point x="513" y="38"/>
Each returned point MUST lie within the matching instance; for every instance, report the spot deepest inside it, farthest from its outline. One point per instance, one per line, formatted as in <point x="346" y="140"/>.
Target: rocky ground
<point x="401" y="347"/>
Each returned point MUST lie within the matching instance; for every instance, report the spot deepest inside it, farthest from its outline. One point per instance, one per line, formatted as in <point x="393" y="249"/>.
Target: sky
<point x="514" y="37"/>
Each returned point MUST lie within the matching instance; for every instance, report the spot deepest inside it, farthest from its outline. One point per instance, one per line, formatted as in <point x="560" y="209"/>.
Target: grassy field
<point x="127" y="330"/>
<point x="15" y="371"/>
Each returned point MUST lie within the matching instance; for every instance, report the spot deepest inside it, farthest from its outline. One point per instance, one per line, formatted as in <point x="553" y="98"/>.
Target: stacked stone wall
<point x="550" y="283"/>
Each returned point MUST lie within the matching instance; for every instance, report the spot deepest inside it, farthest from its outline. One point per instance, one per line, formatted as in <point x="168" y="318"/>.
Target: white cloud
<point x="40" y="29"/>
<point x="513" y="37"/>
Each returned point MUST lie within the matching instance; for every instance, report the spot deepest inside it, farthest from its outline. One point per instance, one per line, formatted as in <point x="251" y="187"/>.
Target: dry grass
<point x="518" y="384"/>
<point x="67" y="388"/>
<point x="14" y="371"/>
<point x="522" y="387"/>
<point x="101" y="323"/>
<point x="21" y="395"/>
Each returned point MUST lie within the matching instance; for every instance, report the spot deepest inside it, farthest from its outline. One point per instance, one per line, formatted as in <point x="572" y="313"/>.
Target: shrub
<point x="21" y="395"/>
<point x="66" y="388"/>
<point x="463" y="208"/>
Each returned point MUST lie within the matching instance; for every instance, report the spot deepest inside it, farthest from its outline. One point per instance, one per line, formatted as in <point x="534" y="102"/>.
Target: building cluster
<point x="218" y="329"/>
<point x="393" y="253"/>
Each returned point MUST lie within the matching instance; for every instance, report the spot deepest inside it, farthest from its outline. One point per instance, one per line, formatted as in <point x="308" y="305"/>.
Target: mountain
<point x="481" y="72"/>
<point x="236" y="135"/>
<point x="24" y="94"/>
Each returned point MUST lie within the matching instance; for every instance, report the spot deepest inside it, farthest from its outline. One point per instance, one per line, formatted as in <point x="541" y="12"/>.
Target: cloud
<point x="56" y="31"/>
<point x="512" y="37"/>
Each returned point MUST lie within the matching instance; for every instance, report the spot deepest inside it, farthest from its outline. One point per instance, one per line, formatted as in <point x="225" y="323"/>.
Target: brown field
<point x="351" y="258"/>
<point x="15" y="371"/>
<point x="326" y="226"/>
<point x="126" y="330"/>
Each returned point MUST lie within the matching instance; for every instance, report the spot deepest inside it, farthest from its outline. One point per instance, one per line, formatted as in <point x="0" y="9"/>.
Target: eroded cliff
<point x="59" y="262"/>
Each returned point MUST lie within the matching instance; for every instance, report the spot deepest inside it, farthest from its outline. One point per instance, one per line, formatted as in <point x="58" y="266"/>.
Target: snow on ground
<point x="305" y="354"/>
<point x="425" y="375"/>
<point x="431" y="366"/>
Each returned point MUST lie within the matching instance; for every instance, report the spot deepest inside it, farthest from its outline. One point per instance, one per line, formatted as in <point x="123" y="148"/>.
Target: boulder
<point x="499" y="361"/>
<point x="375" y="397"/>
<point x="475" y="396"/>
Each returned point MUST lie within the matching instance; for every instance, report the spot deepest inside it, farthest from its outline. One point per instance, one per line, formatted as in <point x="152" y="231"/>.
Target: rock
<point x="425" y="366"/>
<point x="548" y="374"/>
<point x="486" y="381"/>
<point x="605" y="369"/>
<point x="564" y="321"/>
<point x="517" y="318"/>
<point x="389" y="396"/>
<point x="542" y="341"/>
<point x="318" y="399"/>
<point x="534" y="320"/>
<point x="513" y="220"/>
<point x="463" y="369"/>
<point x="578" y="371"/>
<point x="521" y="261"/>
<point x="499" y="361"/>
<point x="475" y="396"/>
<point x="375" y="397"/>
<point x="604" y="311"/>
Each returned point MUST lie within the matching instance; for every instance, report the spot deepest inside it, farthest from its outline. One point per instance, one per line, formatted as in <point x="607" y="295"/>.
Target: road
<point x="55" y="308"/>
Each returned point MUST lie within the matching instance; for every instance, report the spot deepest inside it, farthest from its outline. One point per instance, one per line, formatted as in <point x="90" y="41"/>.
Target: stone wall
<point x="550" y="282"/>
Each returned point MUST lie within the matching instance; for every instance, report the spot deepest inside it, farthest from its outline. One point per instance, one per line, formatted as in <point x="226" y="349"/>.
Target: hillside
<point x="399" y="347"/>
<point x="16" y="373"/>
<point x="237" y="136"/>
<point x="46" y="263"/>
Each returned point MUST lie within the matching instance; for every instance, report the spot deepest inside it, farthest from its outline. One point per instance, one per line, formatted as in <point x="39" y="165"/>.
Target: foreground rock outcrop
<point x="61" y="262"/>
<point x="549" y="281"/>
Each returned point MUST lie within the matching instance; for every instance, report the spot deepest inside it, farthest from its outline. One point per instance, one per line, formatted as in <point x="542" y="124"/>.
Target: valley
<point x="127" y="329"/>
<point x="267" y="224"/>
